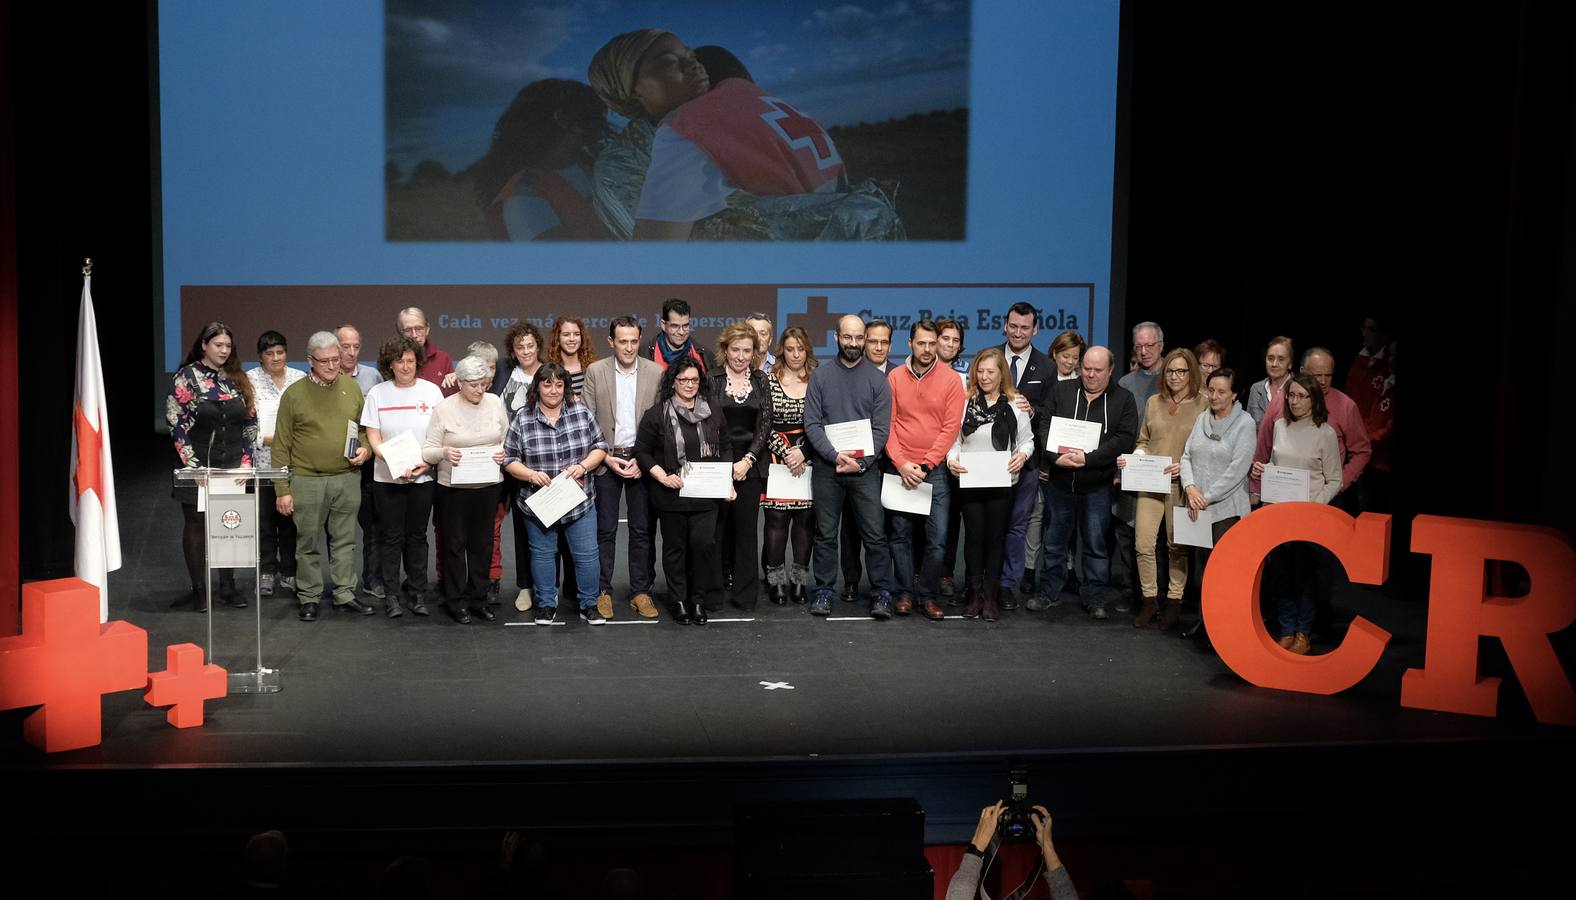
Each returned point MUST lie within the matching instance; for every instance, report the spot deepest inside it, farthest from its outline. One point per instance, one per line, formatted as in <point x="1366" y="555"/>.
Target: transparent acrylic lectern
<point x="229" y="500"/>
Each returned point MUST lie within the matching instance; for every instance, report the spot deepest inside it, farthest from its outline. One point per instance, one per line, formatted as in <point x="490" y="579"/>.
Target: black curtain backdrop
<point x="1287" y="170"/>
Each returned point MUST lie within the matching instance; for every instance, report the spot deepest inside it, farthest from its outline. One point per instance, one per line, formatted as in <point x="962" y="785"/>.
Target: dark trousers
<point x="986" y="512"/>
<point x="371" y="540"/>
<point x="276" y="536"/>
<point x="1018" y="528"/>
<point x="194" y="544"/>
<point x="949" y="563"/>
<point x="402" y="511"/>
<point x="637" y="501"/>
<point x="689" y="555"/>
<point x="850" y="545"/>
<point x="739" y="541"/>
<point x="467" y="516"/>
<point x="862" y="492"/>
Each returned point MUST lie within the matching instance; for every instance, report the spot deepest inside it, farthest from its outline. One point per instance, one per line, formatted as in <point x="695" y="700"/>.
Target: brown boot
<point x="1170" y="614"/>
<point x="974" y="598"/>
<point x="991" y="609"/>
<point x="1146" y="612"/>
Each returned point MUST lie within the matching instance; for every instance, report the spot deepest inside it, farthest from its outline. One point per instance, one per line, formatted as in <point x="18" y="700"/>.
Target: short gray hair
<point x="1159" y="335"/>
<point x="322" y="340"/>
<point x="486" y="351"/>
<point x="409" y="311"/>
<point x="471" y="368"/>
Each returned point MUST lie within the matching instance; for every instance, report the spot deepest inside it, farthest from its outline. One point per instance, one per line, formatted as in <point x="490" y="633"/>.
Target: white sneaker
<point x="523" y="601"/>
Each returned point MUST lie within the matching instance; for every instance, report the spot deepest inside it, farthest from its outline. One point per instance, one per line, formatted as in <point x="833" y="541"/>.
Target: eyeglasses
<point x="686" y="380"/>
<point x="413" y="329"/>
<point x="1176" y="371"/>
<point x="1149" y="346"/>
<point x="326" y="361"/>
<point x="677" y="326"/>
<point x="1291" y="396"/>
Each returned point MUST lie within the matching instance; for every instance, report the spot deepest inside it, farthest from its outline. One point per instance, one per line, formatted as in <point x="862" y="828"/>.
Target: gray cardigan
<point x="1220" y="468"/>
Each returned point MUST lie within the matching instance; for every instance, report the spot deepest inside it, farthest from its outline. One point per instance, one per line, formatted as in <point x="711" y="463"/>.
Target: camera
<point x="1015" y="825"/>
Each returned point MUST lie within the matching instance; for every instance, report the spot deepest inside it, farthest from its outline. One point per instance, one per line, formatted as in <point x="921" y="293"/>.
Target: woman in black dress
<point x="739" y="387"/>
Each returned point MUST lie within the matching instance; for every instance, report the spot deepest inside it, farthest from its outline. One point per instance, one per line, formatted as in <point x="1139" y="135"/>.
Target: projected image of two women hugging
<point x="704" y="153"/>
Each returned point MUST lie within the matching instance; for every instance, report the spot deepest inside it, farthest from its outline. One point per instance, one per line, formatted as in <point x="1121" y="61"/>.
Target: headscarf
<point x="615" y="67"/>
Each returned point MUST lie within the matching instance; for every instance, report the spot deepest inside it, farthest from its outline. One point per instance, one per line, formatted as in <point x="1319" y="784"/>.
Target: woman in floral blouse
<point x="213" y="422"/>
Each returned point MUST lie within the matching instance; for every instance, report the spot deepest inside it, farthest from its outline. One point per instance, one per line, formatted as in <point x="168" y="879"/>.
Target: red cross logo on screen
<point x="800" y="131"/>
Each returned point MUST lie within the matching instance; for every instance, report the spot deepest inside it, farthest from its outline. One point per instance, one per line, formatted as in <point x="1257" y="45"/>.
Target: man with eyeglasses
<point x="323" y="492"/>
<point x="412" y="323"/>
<point x="366" y="378"/>
<point x="674" y="337"/>
<point x="1143" y="382"/>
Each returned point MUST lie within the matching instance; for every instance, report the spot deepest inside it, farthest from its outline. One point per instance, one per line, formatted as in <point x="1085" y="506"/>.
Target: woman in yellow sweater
<point x="1167" y="421"/>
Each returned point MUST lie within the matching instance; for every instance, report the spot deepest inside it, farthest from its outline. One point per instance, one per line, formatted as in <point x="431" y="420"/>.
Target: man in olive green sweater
<point x="323" y="492"/>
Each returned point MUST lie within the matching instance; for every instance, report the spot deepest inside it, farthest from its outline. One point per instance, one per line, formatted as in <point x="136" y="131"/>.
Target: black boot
<point x="974" y="598"/>
<point x="777" y="585"/>
<point x="799" y="579"/>
<point x="683" y="615"/>
<point x="697" y="612"/>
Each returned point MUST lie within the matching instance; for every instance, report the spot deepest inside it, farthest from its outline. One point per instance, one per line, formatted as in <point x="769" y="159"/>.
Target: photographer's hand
<point x="1042" y="830"/>
<point x="987" y="827"/>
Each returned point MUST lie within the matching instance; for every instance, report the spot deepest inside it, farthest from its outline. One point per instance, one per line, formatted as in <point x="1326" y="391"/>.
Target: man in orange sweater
<point x="927" y="409"/>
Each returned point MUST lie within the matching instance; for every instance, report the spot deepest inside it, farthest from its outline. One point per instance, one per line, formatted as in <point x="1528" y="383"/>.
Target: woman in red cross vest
<point x="534" y="184"/>
<point x="714" y="136"/>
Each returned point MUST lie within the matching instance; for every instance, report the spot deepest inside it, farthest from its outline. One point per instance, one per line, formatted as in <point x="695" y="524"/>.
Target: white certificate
<point x="1076" y="434"/>
<point x="854" y="438"/>
<point x="782" y="484"/>
<point x="1191" y="533"/>
<point x="896" y="497"/>
<point x="268" y="421"/>
<point x="986" y="469"/>
<point x="707" y="480"/>
<point x="400" y="453"/>
<point x="1284" y="484"/>
<point x="1146" y="473"/>
<point x="476" y="466"/>
<point x="551" y="503"/>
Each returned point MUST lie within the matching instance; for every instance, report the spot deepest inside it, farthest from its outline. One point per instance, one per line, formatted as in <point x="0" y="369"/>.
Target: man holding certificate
<point x="1087" y="424"/>
<point x="553" y="443"/>
<point x="847" y="415"/>
<point x="680" y="446"/>
<point x="927" y="406"/>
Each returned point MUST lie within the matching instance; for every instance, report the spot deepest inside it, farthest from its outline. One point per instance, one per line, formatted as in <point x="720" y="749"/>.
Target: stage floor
<point x="776" y="683"/>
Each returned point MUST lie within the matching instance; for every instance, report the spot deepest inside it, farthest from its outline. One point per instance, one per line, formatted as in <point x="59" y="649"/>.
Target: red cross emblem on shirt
<point x="64" y="661"/>
<point x="422" y="407"/>
<point x="800" y="131"/>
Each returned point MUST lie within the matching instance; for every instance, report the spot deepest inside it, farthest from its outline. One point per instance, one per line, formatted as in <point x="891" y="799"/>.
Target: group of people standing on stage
<point x="466" y="445"/>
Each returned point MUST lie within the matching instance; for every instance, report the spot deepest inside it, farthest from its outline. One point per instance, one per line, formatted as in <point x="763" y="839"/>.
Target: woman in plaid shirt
<point x="555" y="433"/>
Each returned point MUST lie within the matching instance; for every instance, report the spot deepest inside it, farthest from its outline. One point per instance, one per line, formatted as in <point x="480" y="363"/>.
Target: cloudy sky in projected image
<point x="453" y="65"/>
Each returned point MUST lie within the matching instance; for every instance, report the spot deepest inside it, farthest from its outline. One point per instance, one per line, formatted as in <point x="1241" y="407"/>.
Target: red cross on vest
<point x="761" y="144"/>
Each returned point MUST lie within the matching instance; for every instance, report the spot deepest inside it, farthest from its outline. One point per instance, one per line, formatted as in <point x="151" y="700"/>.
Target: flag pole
<point x="87" y="266"/>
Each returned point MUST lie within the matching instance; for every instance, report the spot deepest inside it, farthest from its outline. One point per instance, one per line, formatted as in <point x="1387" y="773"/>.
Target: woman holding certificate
<point x="788" y="383"/>
<point x="1167" y="422"/>
<point x="1305" y="447"/>
<point x="996" y="439"/>
<point x="276" y="534"/>
<point x="679" y="445"/>
<point x="553" y="442"/>
<point x="1215" y="464"/>
<point x="465" y="441"/>
<point x="396" y="413"/>
<point x="738" y="387"/>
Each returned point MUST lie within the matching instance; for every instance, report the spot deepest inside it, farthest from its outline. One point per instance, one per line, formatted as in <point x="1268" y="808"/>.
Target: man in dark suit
<point x="619" y="389"/>
<point x="1033" y="374"/>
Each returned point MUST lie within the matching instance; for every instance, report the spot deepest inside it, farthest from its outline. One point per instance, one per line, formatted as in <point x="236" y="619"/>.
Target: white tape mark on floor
<point x="512" y="624"/>
<point x="632" y="622"/>
<point x="730" y="620"/>
<point x="851" y="619"/>
<point x="777" y="685"/>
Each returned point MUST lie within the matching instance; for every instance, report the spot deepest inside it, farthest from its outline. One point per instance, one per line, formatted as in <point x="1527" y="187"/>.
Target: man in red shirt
<point x="927" y="410"/>
<point x="412" y="323"/>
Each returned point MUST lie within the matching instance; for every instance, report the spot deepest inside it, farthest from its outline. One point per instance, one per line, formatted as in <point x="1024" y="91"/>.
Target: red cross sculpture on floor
<point x="185" y="684"/>
<point x="65" y="661"/>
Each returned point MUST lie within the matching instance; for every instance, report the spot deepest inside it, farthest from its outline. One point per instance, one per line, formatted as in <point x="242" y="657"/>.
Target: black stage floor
<point x="775" y="684"/>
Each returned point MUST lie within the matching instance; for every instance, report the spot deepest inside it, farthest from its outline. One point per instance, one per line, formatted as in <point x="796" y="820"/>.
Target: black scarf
<point x="999" y="415"/>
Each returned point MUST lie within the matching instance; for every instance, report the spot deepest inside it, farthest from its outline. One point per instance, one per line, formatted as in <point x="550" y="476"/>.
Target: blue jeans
<point x="935" y="540"/>
<point x="582" y="551"/>
<point x="1023" y="494"/>
<point x="864" y="492"/>
<point x="1089" y="514"/>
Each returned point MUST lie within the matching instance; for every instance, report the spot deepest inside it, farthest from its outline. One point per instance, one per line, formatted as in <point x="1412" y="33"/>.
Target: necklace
<point x="739" y="396"/>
